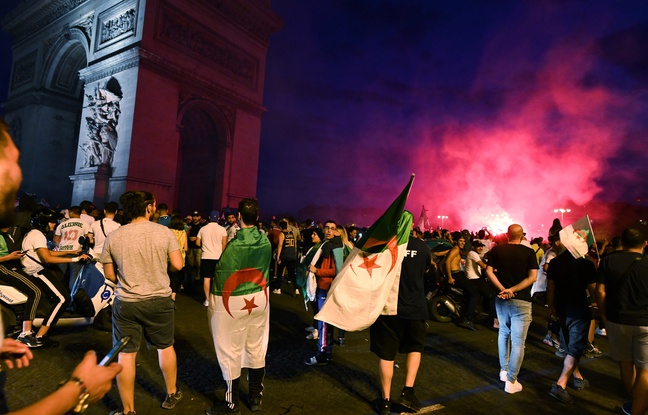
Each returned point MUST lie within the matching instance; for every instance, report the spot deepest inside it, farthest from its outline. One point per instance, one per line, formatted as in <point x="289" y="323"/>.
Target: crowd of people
<point x="151" y="253"/>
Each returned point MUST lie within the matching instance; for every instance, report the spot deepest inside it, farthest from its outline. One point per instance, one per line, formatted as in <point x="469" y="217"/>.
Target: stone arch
<point x="203" y="151"/>
<point x="68" y="54"/>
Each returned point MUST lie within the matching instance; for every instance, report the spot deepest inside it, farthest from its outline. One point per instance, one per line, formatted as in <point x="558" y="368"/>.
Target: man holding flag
<point x="404" y="332"/>
<point x="239" y="310"/>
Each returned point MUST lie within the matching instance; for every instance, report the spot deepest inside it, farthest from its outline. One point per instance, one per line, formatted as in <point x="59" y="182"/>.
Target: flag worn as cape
<point x="578" y="237"/>
<point x="367" y="284"/>
<point x="244" y="265"/>
<point x="304" y="275"/>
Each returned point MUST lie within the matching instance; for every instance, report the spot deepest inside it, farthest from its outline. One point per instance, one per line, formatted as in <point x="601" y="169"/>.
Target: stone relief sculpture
<point x="105" y="109"/>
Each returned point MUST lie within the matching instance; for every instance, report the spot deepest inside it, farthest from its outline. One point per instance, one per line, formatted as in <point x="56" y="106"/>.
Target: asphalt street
<point x="458" y="374"/>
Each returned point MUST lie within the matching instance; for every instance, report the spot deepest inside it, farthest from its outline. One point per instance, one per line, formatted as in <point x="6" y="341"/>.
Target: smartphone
<point x="114" y="352"/>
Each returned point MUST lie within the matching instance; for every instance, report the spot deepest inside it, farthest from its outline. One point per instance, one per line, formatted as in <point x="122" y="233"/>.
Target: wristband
<point x="84" y="395"/>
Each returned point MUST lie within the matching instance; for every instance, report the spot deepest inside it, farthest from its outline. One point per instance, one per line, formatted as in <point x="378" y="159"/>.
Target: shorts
<point x="392" y="334"/>
<point x="574" y="331"/>
<point x="628" y="343"/>
<point x="208" y="267"/>
<point x="153" y="318"/>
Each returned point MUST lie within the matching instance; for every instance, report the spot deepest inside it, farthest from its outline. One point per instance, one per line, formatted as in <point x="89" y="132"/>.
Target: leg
<point x="628" y="375"/>
<point x="520" y="321"/>
<point x="386" y="372"/>
<point x="640" y="392"/>
<point x="55" y="287"/>
<point x="569" y="365"/>
<point x="169" y="367"/>
<point x="411" y="368"/>
<point x="503" y="338"/>
<point x="207" y="287"/>
<point x="126" y="381"/>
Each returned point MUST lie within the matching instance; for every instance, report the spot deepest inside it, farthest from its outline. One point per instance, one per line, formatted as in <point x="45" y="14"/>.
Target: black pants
<point x="474" y="289"/>
<point x="290" y="267"/>
<point x="52" y="282"/>
<point x="26" y="284"/>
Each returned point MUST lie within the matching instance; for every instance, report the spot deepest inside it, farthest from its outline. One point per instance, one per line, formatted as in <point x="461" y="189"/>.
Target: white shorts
<point x="240" y="334"/>
<point x="628" y="343"/>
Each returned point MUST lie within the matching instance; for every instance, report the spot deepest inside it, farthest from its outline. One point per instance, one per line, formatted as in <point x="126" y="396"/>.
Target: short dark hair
<point x="76" y="210"/>
<point x="249" y="210"/>
<point x="283" y="224"/>
<point x="331" y="221"/>
<point x="135" y="203"/>
<point x="87" y="205"/>
<point x="111" y="207"/>
<point x="163" y="206"/>
<point x="633" y="239"/>
<point x="177" y="223"/>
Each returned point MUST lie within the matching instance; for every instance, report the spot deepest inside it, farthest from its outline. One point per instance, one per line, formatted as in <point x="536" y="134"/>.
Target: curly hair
<point x="135" y="203"/>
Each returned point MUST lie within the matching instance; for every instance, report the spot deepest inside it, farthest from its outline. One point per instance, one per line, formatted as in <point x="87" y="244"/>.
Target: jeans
<point x="325" y="340"/>
<point x="514" y="320"/>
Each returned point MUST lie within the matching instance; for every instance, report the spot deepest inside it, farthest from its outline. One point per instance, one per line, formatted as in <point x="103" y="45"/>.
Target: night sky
<point x="509" y="108"/>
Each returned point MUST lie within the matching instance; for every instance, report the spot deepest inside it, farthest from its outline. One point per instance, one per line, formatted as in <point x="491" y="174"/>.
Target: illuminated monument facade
<point x="161" y="95"/>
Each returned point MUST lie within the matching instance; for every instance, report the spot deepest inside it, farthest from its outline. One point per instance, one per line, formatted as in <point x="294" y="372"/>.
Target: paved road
<point x="458" y="375"/>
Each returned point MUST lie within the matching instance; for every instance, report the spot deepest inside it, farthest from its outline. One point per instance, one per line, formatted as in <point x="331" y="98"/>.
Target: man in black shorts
<point x="404" y="332"/>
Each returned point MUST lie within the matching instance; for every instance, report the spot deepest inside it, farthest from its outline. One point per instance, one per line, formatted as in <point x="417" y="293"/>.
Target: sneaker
<point x="296" y="292"/>
<point x="601" y="332"/>
<point x="121" y="412"/>
<point x="206" y="303"/>
<point x="512" y="387"/>
<point x="467" y="324"/>
<point x="550" y="341"/>
<point x="317" y="361"/>
<point x="384" y="407"/>
<point x="591" y="351"/>
<point x="276" y="291"/>
<point x="341" y="341"/>
<point x="559" y="393"/>
<point x="626" y="408"/>
<point x="47" y="342"/>
<point x="580" y="384"/>
<point x="313" y="335"/>
<point x="223" y="409"/>
<point x="255" y="404"/>
<point x="561" y="352"/>
<point x="172" y="399"/>
<point x="503" y="375"/>
<point x="30" y="340"/>
<point x="409" y="400"/>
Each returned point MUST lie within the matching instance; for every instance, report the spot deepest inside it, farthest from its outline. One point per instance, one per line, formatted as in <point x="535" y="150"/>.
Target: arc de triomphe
<point x="162" y="95"/>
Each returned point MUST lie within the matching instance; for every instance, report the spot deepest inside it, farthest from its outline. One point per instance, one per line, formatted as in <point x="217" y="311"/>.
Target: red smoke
<point x="543" y="149"/>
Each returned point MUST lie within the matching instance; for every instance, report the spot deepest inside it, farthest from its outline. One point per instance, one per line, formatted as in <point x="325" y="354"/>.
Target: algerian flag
<point x="578" y="237"/>
<point x="367" y="284"/>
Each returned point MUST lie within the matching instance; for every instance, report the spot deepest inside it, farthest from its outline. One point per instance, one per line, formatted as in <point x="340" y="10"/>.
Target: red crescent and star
<point x="239" y="277"/>
<point x="369" y="260"/>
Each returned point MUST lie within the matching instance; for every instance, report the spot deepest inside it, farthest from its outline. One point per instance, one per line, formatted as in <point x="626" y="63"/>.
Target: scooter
<point x="445" y="301"/>
<point x="92" y="296"/>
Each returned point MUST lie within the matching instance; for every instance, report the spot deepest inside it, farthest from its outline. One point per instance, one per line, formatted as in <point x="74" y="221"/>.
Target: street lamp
<point x="442" y="217"/>
<point x="562" y="213"/>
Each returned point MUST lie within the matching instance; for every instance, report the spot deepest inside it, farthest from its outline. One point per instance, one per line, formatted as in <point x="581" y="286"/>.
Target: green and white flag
<point x="578" y="237"/>
<point x="367" y="284"/>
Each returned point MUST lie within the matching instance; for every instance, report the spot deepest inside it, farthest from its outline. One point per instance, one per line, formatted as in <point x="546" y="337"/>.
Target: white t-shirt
<point x="540" y="284"/>
<point x="109" y="225"/>
<point x="70" y="230"/>
<point x="33" y="241"/>
<point x="211" y="239"/>
<point x="472" y="266"/>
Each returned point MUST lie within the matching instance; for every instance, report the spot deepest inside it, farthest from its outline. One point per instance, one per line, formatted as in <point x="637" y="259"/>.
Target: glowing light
<point x="562" y="213"/>
<point x="442" y="217"/>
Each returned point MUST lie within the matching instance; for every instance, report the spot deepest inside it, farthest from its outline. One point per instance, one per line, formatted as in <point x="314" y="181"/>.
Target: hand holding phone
<point x="114" y="352"/>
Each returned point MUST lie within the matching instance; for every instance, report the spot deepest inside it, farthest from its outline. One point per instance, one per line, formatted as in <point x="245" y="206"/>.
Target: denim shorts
<point x="153" y="319"/>
<point x="574" y="331"/>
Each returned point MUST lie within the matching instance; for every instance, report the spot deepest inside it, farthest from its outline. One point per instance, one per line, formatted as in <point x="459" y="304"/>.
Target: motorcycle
<point x="445" y="301"/>
<point x="91" y="297"/>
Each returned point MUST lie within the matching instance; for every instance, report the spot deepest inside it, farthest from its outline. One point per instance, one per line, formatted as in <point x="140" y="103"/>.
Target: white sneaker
<point x="206" y="303"/>
<point x="503" y="376"/>
<point x="276" y="291"/>
<point x="601" y="332"/>
<point x="514" y="387"/>
<point x="313" y="335"/>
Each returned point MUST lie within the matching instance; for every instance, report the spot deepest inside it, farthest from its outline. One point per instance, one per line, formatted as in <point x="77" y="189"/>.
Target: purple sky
<point x="499" y="107"/>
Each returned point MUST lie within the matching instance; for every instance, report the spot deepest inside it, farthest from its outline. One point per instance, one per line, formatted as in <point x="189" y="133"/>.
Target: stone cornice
<point x="182" y="76"/>
<point x="110" y="66"/>
<point x="254" y="16"/>
<point x="31" y="16"/>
